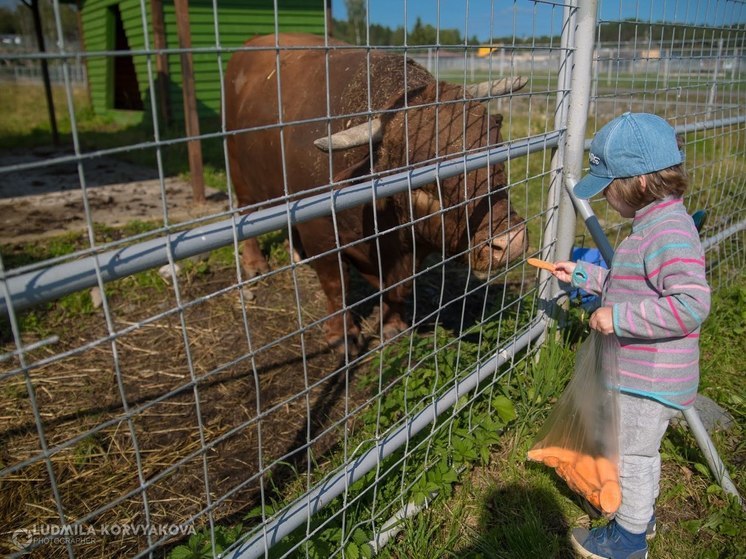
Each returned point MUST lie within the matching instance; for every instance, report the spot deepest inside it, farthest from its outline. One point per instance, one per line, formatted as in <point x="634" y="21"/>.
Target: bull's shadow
<point x="444" y="295"/>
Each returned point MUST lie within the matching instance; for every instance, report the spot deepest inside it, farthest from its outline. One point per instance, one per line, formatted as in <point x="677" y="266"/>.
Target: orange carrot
<point x="561" y="454"/>
<point x="607" y="470"/>
<point x="596" y="479"/>
<point x="541" y="264"/>
<point x="610" y="497"/>
<point x="585" y="467"/>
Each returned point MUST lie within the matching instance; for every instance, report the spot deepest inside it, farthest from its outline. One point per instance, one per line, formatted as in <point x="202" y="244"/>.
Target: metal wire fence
<point x="316" y="355"/>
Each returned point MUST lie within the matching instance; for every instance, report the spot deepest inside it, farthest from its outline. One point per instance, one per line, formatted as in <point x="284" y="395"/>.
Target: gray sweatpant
<point x="642" y="424"/>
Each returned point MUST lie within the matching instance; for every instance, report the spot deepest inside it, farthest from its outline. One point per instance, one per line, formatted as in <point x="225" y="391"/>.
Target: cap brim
<point x="590" y="185"/>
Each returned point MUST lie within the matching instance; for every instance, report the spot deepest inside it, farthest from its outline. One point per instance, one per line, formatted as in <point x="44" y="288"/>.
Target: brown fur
<point x="476" y="209"/>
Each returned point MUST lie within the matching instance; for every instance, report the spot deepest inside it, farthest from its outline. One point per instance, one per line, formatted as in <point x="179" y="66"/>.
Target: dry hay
<point x="260" y="402"/>
<point x="81" y="392"/>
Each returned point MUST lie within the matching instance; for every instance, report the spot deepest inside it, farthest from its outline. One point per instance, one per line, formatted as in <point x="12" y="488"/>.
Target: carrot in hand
<point x="541" y="264"/>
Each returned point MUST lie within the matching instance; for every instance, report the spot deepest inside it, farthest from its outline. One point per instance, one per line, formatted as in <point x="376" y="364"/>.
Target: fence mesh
<point x="300" y="401"/>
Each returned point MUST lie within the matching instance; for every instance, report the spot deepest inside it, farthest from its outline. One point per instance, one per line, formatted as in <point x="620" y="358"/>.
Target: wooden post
<point x="161" y="61"/>
<point x="81" y="34"/>
<point x="44" y="70"/>
<point x="191" y="119"/>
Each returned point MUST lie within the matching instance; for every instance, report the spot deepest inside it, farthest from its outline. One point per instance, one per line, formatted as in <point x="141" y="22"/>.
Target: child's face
<point x="615" y="201"/>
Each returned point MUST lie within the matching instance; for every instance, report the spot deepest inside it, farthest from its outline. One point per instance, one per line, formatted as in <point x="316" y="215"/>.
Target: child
<point x="654" y="298"/>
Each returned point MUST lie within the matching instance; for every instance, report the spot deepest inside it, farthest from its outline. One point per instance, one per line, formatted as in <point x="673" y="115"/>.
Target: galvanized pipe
<point x="585" y="29"/>
<point x="707" y="447"/>
<point x="45" y="285"/>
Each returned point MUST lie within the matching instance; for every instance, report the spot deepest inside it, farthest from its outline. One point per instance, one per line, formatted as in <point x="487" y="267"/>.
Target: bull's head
<point x="470" y="213"/>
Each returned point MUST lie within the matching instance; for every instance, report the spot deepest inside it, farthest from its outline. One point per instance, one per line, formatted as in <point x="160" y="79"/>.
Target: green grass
<point x="25" y="126"/>
<point x="492" y="502"/>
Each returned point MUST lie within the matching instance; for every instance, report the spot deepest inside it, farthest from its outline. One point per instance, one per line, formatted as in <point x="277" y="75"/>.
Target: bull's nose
<point x="509" y="245"/>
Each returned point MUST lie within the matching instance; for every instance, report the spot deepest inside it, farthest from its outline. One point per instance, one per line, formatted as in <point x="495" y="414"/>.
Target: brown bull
<point x="470" y="214"/>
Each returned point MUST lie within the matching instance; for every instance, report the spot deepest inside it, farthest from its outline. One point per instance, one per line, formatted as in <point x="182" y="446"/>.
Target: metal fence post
<point x="576" y="122"/>
<point x="562" y="106"/>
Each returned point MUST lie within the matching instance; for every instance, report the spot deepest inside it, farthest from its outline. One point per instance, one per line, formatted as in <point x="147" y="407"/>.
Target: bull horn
<point x="358" y="135"/>
<point x="495" y="88"/>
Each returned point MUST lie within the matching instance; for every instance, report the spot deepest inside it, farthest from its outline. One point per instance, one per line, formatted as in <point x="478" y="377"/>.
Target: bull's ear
<point x="357" y="169"/>
<point x="396" y="100"/>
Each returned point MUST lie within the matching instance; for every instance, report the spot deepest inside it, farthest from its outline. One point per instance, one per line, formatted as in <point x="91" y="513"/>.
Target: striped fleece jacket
<point x="659" y="296"/>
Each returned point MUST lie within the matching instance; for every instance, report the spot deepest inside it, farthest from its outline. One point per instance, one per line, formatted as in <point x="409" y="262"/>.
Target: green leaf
<point x="484" y="454"/>
<point x="182" y="552"/>
<point x="359" y="537"/>
<point x="504" y="408"/>
<point x="451" y="476"/>
<point x="352" y="551"/>
<point x="702" y="469"/>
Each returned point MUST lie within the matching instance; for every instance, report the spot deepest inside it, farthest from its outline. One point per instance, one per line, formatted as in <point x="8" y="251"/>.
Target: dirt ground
<point x="206" y="407"/>
<point x="213" y="399"/>
<point x="46" y="201"/>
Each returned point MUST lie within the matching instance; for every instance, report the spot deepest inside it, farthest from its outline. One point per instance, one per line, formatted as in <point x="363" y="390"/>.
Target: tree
<point x="356" y="15"/>
<point x="8" y="23"/>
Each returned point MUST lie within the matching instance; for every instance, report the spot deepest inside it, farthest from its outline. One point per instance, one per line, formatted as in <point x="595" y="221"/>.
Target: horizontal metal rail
<point x="40" y="286"/>
<point x="295" y="514"/>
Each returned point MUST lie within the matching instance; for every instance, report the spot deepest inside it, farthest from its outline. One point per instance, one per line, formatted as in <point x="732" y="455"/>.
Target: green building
<point x="121" y="81"/>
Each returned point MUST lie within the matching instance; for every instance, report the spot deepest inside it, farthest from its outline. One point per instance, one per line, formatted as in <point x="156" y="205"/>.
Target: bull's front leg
<point x="394" y="309"/>
<point x="252" y="260"/>
<point x="340" y="329"/>
<point x="396" y="269"/>
<point x="393" y="312"/>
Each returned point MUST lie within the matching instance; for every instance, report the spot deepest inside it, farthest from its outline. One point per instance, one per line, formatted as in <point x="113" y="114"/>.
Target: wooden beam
<point x="191" y="120"/>
<point x="161" y="61"/>
<point x="45" y="70"/>
<point x="81" y="34"/>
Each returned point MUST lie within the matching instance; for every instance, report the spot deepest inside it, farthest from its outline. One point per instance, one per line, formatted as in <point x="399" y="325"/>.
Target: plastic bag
<point x="580" y="439"/>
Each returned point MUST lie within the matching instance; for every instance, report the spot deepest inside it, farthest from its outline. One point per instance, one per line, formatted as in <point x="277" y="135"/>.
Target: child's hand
<point x="603" y="320"/>
<point x="563" y="271"/>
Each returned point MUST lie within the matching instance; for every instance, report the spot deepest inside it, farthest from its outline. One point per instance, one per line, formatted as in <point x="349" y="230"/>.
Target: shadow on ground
<point x="520" y="522"/>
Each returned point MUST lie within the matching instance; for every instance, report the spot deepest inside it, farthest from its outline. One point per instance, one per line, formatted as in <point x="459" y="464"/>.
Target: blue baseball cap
<point x="632" y="144"/>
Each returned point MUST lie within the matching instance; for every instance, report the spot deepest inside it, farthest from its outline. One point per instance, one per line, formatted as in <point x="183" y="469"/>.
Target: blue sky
<point x="526" y="18"/>
<point x="483" y="18"/>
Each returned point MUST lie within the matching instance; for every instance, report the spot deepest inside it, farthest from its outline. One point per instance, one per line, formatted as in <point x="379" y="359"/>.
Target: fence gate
<point x="304" y="360"/>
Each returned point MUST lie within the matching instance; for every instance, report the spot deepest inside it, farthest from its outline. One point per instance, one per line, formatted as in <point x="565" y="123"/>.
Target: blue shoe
<point x="609" y="542"/>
